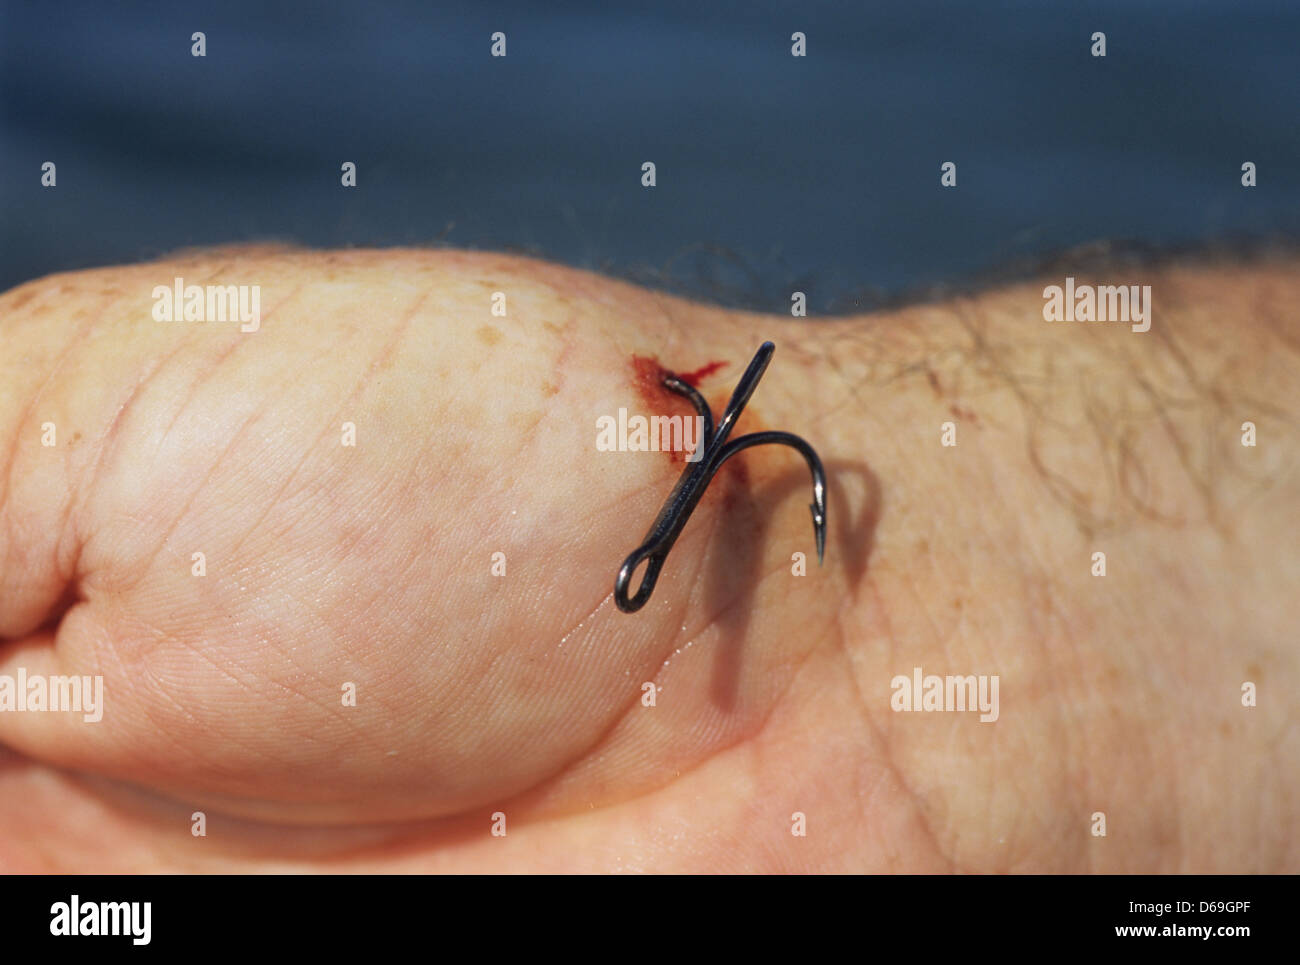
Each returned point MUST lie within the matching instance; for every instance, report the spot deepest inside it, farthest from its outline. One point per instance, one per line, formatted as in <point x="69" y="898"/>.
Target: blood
<point x="648" y="376"/>
<point x="649" y="373"/>
<point x="693" y="378"/>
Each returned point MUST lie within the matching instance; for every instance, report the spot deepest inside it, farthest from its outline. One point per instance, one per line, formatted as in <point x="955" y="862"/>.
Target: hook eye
<point x="635" y="559"/>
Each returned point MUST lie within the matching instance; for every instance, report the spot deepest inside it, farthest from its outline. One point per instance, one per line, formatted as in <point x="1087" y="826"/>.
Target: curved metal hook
<point x="695" y="478"/>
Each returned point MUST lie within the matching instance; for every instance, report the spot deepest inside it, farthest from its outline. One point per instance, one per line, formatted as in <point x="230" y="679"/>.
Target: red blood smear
<point x="648" y="375"/>
<point x="693" y="378"/>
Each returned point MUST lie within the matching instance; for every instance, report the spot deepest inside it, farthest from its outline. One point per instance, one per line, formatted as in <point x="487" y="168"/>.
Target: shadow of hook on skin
<point x="740" y="531"/>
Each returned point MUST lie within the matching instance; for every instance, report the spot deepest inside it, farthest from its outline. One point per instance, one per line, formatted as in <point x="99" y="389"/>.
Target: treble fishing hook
<point x="696" y="477"/>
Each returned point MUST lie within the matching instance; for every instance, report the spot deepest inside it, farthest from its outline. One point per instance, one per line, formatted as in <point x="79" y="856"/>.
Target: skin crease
<point x="522" y="693"/>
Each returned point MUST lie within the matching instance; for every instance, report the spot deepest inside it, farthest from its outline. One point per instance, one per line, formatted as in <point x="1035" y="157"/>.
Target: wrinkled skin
<point x="522" y="693"/>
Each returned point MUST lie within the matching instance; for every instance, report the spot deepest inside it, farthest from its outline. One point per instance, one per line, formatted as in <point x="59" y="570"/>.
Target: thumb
<point x="57" y="413"/>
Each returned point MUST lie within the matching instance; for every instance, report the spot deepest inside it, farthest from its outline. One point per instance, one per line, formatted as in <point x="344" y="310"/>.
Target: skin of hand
<point x="481" y="693"/>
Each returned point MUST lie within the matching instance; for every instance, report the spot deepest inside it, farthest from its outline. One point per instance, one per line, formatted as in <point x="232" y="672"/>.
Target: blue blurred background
<point x="774" y="172"/>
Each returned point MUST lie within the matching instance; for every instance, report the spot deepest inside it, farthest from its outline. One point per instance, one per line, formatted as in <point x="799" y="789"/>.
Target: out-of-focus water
<point x="774" y="172"/>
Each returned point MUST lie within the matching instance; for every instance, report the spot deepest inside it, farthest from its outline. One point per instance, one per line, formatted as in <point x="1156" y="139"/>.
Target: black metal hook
<point x="696" y="477"/>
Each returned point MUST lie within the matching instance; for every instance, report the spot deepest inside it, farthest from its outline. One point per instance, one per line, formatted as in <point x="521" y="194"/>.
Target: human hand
<point x="330" y="565"/>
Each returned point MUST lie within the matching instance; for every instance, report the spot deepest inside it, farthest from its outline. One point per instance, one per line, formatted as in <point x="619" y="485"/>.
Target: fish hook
<point x="696" y="477"/>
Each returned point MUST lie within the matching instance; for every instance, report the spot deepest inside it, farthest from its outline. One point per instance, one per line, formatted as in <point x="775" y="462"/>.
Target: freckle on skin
<point x="488" y="335"/>
<point x="960" y="413"/>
